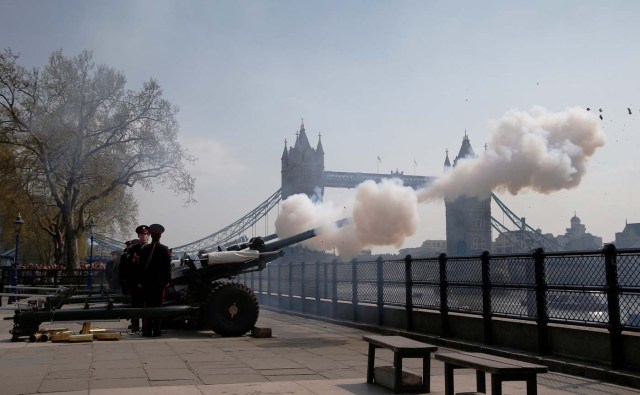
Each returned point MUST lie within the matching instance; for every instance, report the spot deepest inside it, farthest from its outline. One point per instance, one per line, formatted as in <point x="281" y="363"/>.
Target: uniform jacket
<point x="131" y="266"/>
<point x="155" y="259"/>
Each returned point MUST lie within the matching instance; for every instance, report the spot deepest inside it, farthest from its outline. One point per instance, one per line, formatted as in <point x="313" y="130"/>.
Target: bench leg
<point x="426" y="374"/>
<point x="496" y="385"/>
<point x="397" y="372"/>
<point x="448" y="379"/>
<point x="371" y="360"/>
<point x="481" y="383"/>
<point x="532" y="387"/>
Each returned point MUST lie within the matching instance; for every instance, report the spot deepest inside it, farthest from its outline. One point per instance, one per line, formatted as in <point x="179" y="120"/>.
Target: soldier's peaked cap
<point x="156" y="229"/>
<point x="142" y="229"/>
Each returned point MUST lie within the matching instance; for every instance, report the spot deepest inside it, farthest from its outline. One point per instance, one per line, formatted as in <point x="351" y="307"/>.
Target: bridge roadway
<point x="304" y="356"/>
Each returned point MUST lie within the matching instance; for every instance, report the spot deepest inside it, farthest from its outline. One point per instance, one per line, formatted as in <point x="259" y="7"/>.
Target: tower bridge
<point x="468" y="220"/>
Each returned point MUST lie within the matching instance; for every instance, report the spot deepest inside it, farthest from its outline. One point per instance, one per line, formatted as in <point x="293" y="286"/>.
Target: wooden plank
<point x="400" y="344"/>
<point x="489" y="363"/>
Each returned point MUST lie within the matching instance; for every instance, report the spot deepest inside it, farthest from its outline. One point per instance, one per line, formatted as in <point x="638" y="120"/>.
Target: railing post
<point x="380" y="283"/>
<point x="613" y="303"/>
<point x="325" y="283"/>
<point x="317" y="283"/>
<point x="303" y="288"/>
<point x="444" y="303"/>
<point x="290" y="285"/>
<point x="408" y="291"/>
<point x="279" y="283"/>
<point x="269" y="277"/>
<point x="354" y="289"/>
<point x="485" y="259"/>
<point x="334" y="291"/>
<point x="542" y="315"/>
<point x="253" y="284"/>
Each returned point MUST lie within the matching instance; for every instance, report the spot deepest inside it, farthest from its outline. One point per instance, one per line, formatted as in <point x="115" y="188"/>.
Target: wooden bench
<point x="402" y="348"/>
<point x="501" y="369"/>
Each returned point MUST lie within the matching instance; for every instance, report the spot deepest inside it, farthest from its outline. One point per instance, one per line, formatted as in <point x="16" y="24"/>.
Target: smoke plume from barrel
<point x="382" y="214"/>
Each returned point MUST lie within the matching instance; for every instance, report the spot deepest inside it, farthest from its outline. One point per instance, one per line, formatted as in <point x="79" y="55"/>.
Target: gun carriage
<point x="202" y="293"/>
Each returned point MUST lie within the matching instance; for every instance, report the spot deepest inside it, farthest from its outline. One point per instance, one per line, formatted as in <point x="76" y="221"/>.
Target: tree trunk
<point x="70" y="240"/>
<point x="71" y="249"/>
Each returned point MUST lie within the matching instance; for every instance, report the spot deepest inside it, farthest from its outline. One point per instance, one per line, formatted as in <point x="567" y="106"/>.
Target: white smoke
<point x="381" y="214"/>
<point x="536" y="150"/>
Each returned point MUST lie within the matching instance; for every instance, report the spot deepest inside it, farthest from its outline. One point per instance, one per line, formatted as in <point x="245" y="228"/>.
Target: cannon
<point x="202" y="293"/>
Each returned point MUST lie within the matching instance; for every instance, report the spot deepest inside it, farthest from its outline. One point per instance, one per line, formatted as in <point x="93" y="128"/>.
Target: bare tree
<point x="84" y="138"/>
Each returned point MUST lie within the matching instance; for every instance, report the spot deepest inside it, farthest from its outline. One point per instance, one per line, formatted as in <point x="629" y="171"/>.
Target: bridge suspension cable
<point x="530" y="238"/>
<point x="235" y="230"/>
<point x="108" y="242"/>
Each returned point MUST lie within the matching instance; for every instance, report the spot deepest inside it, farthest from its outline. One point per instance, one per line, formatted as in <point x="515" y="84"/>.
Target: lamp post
<point x="92" y="225"/>
<point x="14" y="280"/>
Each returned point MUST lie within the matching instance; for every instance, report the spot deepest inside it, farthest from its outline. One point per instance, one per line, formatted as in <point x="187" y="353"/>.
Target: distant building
<point x="576" y="237"/>
<point x="468" y="218"/>
<point x="428" y="249"/>
<point x="629" y="237"/>
<point x="517" y="241"/>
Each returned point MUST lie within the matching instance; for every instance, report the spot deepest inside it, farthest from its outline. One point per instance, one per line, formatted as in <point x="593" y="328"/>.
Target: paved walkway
<point x="304" y="356"/>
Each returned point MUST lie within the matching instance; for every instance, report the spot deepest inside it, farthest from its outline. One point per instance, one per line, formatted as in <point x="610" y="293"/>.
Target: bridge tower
<point x="303" y="167"/>
<point x="468" y="219"/>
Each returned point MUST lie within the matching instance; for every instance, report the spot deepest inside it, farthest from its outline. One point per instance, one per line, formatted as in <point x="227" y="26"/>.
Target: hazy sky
<point x="394" y="79"/>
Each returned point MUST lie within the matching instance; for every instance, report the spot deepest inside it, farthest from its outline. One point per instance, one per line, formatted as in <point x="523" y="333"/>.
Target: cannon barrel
<point x="300" y="237"/>
<point x="104" y="313"/>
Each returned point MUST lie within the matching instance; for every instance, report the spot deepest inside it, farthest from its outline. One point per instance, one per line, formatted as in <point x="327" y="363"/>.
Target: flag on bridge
<point x="379" y="160"/>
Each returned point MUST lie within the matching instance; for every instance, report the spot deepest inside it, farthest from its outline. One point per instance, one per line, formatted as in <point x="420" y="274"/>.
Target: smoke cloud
<point x="536" y="150"/>
<point x="381" y="214"/>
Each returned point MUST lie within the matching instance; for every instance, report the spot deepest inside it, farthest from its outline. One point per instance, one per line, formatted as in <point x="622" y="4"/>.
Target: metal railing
<point x="588" y="288"/>
<point x="52" y="277"/>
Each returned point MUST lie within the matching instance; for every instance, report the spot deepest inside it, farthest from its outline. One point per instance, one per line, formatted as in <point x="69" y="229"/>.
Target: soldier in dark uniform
<point x="131" y="268"/>
<point x="156" y="274"/>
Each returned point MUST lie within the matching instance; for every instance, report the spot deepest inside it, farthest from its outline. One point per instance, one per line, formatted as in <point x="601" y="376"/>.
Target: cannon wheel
<point x="233" y="309"/>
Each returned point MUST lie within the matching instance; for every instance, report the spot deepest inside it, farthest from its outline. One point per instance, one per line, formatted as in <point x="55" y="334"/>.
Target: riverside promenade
<point x="304" y="356"/>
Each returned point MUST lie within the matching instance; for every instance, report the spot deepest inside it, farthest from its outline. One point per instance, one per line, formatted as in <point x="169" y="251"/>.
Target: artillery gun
<point x="202" y="293"/>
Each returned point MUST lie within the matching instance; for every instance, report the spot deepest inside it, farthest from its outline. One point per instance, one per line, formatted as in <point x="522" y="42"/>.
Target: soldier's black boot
<point x="155" y="328"/>
<point x="135" y="325"/>
<point x="146" y="327"/>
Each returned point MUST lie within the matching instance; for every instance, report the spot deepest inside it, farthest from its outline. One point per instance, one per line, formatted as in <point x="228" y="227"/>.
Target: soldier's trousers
<point x="153" y="297"/>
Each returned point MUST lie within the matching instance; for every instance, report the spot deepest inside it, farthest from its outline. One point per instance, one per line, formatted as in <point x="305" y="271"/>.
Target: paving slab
<point x="303" y="357"/>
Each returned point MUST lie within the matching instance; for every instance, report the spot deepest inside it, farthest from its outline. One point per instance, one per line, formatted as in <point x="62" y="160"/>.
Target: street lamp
<point x="92" y="225"/>
<point x="14" y="280"/>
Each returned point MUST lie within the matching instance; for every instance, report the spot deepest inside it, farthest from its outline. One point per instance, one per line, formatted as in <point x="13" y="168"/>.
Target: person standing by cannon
<point x="131" y="267"/>
<point x="156" y="275"/>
